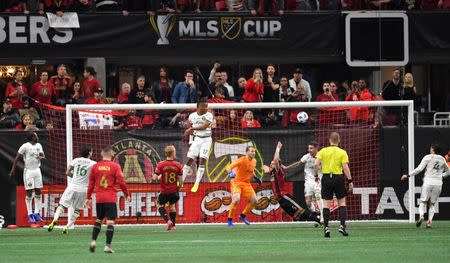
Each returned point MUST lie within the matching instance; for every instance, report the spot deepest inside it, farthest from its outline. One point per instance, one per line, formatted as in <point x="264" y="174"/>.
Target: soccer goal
<point x="363" y="127"/>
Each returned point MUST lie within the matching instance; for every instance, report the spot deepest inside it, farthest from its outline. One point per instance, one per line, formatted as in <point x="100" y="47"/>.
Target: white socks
<point x="29" y="203"/>
<point x="200" y="172"/>
<point x="38" y="204"/>
<point x="58" y="212"/>
<point x="73" y="218"/>
<point x="431" y="212"/>
<point x="186" y="171"/>
<point x="422" y="209"/>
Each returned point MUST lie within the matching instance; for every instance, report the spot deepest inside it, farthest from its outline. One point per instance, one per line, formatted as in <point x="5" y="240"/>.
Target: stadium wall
<point x="391" y="195"/>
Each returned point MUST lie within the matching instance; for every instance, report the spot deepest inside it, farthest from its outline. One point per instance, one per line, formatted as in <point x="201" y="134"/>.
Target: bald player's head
<point x="335" y="138"/>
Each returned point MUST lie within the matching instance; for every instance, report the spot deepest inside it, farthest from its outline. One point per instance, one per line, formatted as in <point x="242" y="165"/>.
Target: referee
<point x="334" y="160"/>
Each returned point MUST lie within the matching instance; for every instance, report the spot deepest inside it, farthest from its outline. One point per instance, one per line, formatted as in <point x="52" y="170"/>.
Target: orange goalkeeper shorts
<point x="244" y="189"/>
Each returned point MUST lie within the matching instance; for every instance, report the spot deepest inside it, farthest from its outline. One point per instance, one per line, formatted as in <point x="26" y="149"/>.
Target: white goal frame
<point x="262" y="105"/>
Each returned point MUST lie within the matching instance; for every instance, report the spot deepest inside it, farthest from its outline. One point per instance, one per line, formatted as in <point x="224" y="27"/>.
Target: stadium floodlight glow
<point x="71" y="108"/>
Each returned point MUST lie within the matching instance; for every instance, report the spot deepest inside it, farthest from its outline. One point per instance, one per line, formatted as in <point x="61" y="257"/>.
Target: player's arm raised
<point x="13" y="168"/>
<point x="422" y="165"/>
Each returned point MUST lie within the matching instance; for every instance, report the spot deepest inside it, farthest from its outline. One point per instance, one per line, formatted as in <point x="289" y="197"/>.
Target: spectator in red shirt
<point x="97" y="99"/>
<point x="16" y="6"/>
<point x="125" y="91"/>
<point x="249" y="122"/>
<point x="149" y="117"/>
<point x="62" y="83"/>
<point x="55" y="6"/>
<point x="327" y="94"/>
<point x="105" y="176"/>
<point x="16" y="91"/>
<point x="43" y="90"/>
<point x="361" y="113"/>
<point x="254" y="88"/>
<point x="133" y="122"/>
<point x="90" y="83"/>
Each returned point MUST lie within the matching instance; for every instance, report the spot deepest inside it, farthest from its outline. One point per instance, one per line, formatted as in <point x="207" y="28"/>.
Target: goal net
<point x="138" y="134"/>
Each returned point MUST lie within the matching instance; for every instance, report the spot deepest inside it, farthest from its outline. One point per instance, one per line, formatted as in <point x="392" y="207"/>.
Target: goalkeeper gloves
<point x="232" y="175"/>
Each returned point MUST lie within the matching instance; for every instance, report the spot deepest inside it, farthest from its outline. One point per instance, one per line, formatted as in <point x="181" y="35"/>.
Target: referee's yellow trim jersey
<point x="332" y="158"/>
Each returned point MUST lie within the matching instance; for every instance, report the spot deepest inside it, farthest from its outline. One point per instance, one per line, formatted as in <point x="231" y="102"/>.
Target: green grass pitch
<point x="368" y="242"/>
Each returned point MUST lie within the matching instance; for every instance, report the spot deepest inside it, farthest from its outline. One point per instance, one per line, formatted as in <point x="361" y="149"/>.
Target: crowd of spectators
<point x="20" y="109"/>
<point x="255" y="7"/>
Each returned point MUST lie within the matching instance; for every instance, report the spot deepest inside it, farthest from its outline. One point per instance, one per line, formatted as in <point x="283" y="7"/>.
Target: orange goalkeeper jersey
<point x="244" y="169"/>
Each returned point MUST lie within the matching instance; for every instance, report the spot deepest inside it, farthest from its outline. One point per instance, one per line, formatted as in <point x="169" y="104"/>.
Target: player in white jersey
<point x="32" y="154"/>
<point x="75" y="193"/>
<point x="435" y="169"/>
<point x="312" y="186"/>
<point x="200" y="121"/>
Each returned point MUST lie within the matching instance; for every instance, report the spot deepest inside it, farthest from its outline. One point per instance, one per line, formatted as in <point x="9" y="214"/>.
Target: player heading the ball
<point x="200" y="122"/>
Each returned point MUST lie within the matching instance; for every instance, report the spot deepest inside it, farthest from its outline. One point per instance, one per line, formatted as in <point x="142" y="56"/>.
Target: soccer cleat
<point x="314" y="216"/>
<point x="429" y="224"/>
<point x="38" y="217"/>
<point x="92" y="246"/>
<point x="52" y="225"/>
<point x="65" y="230"/>
<point x="343" y="231"/>
<point x="326" y="232"/>
<point x="108" y="250"/>
<point x="194" y="188"/>
<point x="244" y="219"/>
<point x="419" y="222"/>
<point x="31" y="219"/>
<point x="230" y="223"/>
<point x="169" y="225"/>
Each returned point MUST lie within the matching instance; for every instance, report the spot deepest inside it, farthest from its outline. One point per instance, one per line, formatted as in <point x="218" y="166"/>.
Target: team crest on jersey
<point x="215" y="202"/>
<point x="266" y="203"/>
<point x="137" y="158"/>
<point x="224" y="152"/>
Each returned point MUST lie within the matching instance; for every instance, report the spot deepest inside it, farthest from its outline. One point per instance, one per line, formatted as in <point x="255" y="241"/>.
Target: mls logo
<point x="230" y="27"/>
<point x="163" y="25"/>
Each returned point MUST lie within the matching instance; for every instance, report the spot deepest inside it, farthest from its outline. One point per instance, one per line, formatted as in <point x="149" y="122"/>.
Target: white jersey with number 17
<point x="198" y="120"/>
<point x="81" y="170"/>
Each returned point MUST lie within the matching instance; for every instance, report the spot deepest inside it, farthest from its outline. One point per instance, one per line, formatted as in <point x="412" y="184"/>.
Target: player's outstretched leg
<point x="109" y="236"/>
<point x="422" y="208"/>
<point x="71" y="222"/>
<point x="198" y="178"/>
<point x="95" y="232"/>
<point x="59" y="211"/>
<point x="431" y="211"/>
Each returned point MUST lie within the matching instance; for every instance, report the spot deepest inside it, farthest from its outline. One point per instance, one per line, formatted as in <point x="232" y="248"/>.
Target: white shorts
<point x="312" y="188"/>
<point x="430" y="192"/>
<point x="32" y="178"/>
<point x="73" y="198"/>
<point x="200" y="147"/>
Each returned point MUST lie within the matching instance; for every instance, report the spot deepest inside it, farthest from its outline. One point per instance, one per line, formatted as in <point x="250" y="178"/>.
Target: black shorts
<point x="168" y="198"/>
<point x="288" y="204"/>
<point x="333" y="184"/>
<point x="108" y="210"/>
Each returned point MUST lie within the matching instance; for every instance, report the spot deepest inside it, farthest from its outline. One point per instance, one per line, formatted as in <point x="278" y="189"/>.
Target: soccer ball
<point x="302" y="117"/>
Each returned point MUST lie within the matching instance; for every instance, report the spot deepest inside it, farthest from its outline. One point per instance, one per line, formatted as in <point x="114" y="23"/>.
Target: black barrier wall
<point x="393" y="161"/>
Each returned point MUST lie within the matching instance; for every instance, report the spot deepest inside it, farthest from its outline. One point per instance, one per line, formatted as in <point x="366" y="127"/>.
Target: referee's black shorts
<point x="108" y="210"/>
<point x="333" y="184"/>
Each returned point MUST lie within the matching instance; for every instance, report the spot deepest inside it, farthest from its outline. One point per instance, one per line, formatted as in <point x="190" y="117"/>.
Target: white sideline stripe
<point x="253" y="223"/>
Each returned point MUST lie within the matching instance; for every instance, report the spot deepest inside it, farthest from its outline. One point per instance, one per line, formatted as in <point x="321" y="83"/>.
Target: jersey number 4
<point x="436" y="166"/>
<point x="104" y="182"/>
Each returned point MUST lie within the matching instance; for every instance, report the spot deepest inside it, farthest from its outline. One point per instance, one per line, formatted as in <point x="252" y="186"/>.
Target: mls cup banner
<point x="210" y="204"/>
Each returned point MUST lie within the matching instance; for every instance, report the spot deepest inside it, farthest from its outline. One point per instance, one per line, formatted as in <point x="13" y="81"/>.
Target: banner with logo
<point x="210" y="204"/>
<point x="218" y="35"/>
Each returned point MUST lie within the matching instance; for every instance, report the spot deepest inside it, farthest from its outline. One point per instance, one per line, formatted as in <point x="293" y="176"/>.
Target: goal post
<point x="73" y="108"/>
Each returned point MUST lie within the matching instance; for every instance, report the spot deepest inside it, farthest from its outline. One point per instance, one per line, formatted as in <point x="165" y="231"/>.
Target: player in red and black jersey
<point x="286" y="201"/>
<point x="104" y="177"/>
<point x="170" y="175"/>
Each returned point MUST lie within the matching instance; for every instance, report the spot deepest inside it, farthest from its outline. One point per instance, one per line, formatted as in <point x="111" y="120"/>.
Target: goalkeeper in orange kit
<point x="242" y="171"/>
